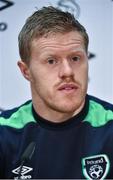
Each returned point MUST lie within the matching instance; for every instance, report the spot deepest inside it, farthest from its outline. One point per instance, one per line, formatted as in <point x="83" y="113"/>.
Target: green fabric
<point x="97" y="115"/>
<point x="20" y="118"/>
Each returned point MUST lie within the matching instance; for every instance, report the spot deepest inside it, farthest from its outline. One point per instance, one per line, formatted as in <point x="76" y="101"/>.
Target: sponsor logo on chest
<point x="24" y="171"/>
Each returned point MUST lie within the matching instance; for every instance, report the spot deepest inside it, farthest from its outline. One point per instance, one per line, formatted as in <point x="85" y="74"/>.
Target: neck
<point x="52" y="115"/>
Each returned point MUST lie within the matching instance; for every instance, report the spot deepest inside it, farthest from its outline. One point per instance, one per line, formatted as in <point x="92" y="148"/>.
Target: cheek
<point x="85" y="75"/>
<point x="40" y="80"/>
<point x="34" y="76"/>
<point x="82" y="73"/>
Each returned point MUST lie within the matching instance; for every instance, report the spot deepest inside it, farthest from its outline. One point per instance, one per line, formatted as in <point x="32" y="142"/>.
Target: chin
<point x="68" y="108"/>
<point x="72" y="106"/>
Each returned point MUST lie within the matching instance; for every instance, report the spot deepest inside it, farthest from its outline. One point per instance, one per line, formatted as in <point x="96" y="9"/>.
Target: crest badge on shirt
<point x="95" y="167"/>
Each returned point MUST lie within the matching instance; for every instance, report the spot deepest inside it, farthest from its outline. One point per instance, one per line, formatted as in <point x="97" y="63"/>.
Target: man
<point x="63" y="132"/>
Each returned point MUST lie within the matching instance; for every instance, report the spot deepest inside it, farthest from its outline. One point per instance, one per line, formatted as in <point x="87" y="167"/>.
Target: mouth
<point x="68" y="88"/>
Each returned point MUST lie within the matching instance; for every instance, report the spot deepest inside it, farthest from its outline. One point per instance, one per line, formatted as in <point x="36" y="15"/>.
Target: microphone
<point x="26" y="156"/>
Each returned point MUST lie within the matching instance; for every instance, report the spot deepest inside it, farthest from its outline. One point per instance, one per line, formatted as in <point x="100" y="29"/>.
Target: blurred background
<point x="95" y="15"/>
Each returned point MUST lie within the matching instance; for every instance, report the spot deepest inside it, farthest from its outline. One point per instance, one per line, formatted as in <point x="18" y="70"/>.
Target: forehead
<point x="59" y="41"/>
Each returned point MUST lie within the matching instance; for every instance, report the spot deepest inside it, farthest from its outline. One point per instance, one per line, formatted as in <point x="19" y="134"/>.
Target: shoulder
<point x="18" y="116"/>
<point x="105" y="104"/>
<point x="100" y="112"/>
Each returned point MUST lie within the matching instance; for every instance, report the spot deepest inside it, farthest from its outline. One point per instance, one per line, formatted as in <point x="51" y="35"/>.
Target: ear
<point x="24" y="69"/>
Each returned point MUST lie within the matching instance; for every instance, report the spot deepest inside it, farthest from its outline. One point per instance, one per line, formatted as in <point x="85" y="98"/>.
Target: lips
<point x="67" y="87"/>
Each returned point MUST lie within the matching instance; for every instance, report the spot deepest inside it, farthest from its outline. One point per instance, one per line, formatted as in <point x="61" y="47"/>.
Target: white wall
<point x="95" y="15"/>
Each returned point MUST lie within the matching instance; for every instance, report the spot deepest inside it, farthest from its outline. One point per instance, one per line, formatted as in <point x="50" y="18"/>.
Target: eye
<point x="75" y="58"/>
<point x="51" y="61"/>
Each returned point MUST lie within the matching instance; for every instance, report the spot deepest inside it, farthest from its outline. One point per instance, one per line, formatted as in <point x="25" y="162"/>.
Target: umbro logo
<point x="24" y="171"/>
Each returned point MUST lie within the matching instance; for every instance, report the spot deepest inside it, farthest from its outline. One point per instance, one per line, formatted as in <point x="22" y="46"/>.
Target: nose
<point x="66" y="69"/>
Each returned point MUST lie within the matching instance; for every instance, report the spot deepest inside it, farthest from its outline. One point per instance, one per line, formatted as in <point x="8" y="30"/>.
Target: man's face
<point x="59" y="72"/>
